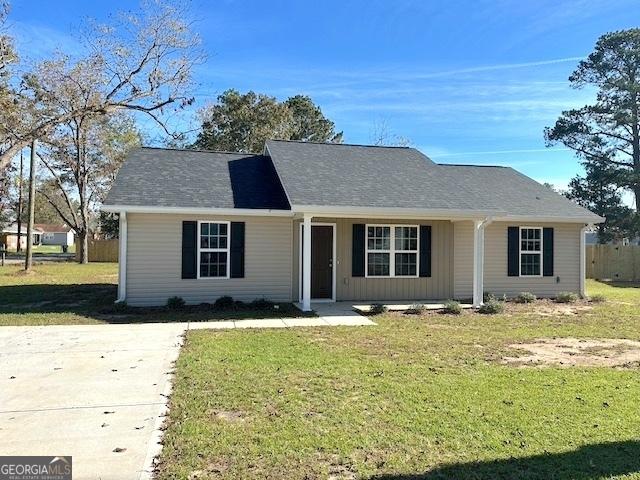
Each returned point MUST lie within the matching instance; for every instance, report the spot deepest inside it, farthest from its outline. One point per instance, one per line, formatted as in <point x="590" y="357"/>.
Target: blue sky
<point x="464" y="81"/>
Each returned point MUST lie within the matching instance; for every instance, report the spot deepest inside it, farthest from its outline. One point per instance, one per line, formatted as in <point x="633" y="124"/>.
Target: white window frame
<point x="215" y="250"/>
<point x="520" y="252"/>
<point x="48" y="236"/>
<point x="391" y="251"/>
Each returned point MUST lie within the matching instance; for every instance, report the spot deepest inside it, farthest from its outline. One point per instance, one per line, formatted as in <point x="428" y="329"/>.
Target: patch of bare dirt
<point x="552" y="309"/>
<point x="24" y="273"/>
<point x="606" y="352"/>
<point x="231" y="416"/>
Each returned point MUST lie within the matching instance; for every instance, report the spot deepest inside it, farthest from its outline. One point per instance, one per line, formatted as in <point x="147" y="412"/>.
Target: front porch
<point x="402" y="261"/>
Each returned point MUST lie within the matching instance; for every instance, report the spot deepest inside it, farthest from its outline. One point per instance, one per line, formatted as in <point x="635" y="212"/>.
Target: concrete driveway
<point x="96" y="392"/>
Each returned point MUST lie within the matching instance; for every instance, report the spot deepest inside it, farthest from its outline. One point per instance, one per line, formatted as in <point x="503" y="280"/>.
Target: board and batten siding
<point x="154" y="261"/>
<point x="496" y="280"/>
<point x="436" y="287"/>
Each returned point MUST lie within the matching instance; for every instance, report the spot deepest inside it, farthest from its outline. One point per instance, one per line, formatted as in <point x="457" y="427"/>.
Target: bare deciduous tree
<point x="142" y="62"/>
<point x="382" y="135"/>
<point x="81" y="158"/>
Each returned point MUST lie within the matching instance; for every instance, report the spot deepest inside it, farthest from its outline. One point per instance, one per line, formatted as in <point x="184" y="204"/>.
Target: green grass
<point x="418" y="396"/>
<point x="70" y="293"/>
<point x="47" y="249"/>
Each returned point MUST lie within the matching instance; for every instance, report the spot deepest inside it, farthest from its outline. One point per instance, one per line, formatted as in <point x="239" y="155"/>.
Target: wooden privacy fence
<point x="613" y="262"/>
<point x="102" y="250"/>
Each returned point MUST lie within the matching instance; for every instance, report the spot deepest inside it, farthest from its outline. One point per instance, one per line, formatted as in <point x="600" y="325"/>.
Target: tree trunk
<point x="32" y="201"/>
<point x="19" y="212"/>
<point x="635" y="150"/>
<point x="83" y="245"/>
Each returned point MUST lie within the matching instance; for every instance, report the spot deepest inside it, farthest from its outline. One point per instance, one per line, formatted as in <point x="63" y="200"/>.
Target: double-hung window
<point x="530" y="252"/>
<point x="392" y="251"/>
<point x="213" y="249"/>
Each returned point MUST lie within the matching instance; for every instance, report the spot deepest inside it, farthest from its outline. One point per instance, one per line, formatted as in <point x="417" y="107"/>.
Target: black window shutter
<point x="357" y="250"/>
<point x="237" y="250"/>
<point x="189" y="249"/>
<point x="547" y="252"/>
<point x="425" y="250"/>
<point x="513" y="251"/>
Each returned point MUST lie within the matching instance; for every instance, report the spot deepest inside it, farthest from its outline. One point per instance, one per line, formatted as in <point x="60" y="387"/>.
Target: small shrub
<point x="239" y="305"/>
<point x="378" y="308"/>
<point x="597" y="298"/>
<point x="452" y="307"/>
<point x="175" y="303"/>
<point x="491" y="307"/>
<point x="525" y="297"/>
<point x="262" y="304"/>
<point x="416" y="309"/>
<point x="224" y="303"/>
<point x="566" y="297"/>
<point x="488" y="297"/>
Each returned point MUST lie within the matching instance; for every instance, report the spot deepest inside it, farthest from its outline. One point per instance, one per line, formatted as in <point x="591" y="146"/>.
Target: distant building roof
<point x="13" y="229"/>
<point x="53" y="228"/>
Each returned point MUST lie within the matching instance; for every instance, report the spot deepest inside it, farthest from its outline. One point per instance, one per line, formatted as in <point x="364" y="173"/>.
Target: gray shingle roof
<point x="365" y="176"/>
<point x="330" y="175"/>
<point x="154" y="177"/>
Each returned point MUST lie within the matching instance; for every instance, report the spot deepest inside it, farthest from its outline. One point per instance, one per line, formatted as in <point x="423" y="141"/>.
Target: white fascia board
<point x="393" y="212"/>
<point x="543" y="219"/>
<point x="250" y="212"/>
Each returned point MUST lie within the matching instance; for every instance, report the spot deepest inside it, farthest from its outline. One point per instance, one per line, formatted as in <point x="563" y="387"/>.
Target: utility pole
<point x="32" y="201"/>
<point x="19" y="246"/>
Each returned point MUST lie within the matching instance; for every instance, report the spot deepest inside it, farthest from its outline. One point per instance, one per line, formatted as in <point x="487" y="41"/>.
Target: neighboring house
<point x="591" y="238"/>
<point x="323" y="222"/>
<point x="56" y="234"/>
<point x="9" y="237"/>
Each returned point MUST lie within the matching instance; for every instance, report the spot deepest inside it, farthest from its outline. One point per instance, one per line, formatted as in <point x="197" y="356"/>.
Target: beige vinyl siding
<point x="463" y="260"/>
<point x="496" y="281"/>
<point x="154" y="256"/>
<point x="438" y="286"/>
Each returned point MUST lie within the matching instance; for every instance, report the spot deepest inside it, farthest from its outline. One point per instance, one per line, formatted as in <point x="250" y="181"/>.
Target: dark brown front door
<point x="322" y="261"/>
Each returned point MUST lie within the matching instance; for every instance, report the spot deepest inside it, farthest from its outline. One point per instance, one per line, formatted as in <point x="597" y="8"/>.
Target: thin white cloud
<point x="500" y="66"/>
<point x="501" y="152"/>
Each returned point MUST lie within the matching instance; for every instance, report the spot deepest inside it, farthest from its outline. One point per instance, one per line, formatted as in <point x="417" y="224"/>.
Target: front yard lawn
<point x="69" y="293"/>
<point x="419" y="396"/>
<point x="47" y="249"/>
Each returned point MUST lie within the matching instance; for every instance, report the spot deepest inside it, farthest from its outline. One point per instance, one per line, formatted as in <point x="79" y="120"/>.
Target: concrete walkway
<point x="329" y="315"/>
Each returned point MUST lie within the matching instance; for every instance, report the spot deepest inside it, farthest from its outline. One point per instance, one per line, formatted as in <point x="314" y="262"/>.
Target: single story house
<point x="54" y="234"/>
<point x="9" y="236"/>
<point x="314" y="222"/>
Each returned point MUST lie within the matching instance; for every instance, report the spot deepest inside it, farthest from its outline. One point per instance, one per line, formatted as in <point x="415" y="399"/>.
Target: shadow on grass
<point x="96" y="301"/>
<point x="591" y="462"/>
<point x="618" y="284"/>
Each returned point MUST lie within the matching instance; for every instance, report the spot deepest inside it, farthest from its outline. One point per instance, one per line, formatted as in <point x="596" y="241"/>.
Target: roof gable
<point x="338" y="175"/>
<point x="356" y="175"/>
<point x="155" y="177"/>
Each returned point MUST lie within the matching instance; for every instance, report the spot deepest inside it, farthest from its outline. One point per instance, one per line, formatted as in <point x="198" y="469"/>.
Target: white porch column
<point x="122" y="259"/>
<point x="478" y="260"/>
<point x="583" y="262"/>
<point x="306" y="263"/>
